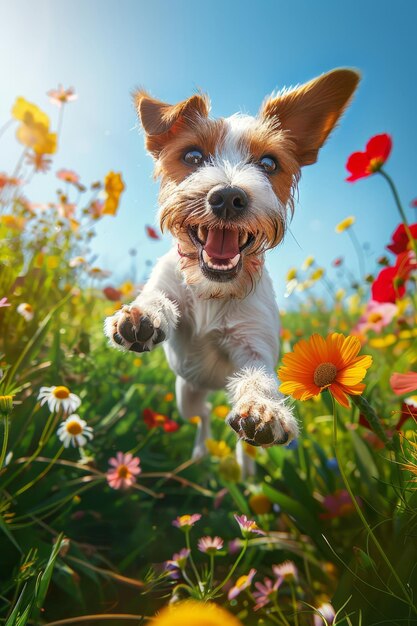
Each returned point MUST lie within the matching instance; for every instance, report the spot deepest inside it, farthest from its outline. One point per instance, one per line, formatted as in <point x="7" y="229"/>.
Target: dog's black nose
<point x="228" y="203"/>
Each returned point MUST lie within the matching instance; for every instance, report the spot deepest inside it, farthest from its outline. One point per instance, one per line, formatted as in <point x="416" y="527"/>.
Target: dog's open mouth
<point x="220" y="250"/>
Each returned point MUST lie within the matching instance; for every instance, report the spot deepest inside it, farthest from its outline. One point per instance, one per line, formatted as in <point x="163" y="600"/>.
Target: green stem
<point x="5" y="440"/>
<point x="47" y="431"/>
<point x="361" y="515"/>
<point x="211" y="570"/>
<point x="373" y="419"/>
<point x="294" y="603"/>
<point x="187" y="543"/>
<point x="232" y="571"/>
<point x="399" y="207"/>
<point x="279" y="611"/>
<point x="41" y="475"/>
<point x="359" y="251"/>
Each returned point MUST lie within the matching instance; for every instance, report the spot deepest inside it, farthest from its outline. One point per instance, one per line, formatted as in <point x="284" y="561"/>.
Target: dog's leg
<point x="259" y="412"/>
<point x="145" y="323"/>
<point x="192" y="402"/>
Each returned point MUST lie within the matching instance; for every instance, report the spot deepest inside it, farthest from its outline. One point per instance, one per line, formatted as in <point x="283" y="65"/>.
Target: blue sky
<point x="237" y="51"/>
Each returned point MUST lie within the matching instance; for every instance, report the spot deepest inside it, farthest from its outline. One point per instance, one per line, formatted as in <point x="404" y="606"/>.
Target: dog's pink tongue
<point x="222" y="243"/>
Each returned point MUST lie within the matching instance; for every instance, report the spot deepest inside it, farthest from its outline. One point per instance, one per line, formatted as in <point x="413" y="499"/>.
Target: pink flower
<point x="377" y="315"/>
<point x="241" y="584"/>
<point x="123" y="471"/>
<point x="325" y="615"/>
<point x="338" y="504"/>
<point x="403" y="383"/>
<point x="286" y="570"/>
<point x="248" y="527"/>
<point x="265" y="592"/>
<point x="210" y="545"/>
<point x="61" y="96"/>
<point x="3" y="302"/>
<point x="185" y="522"/>
<point x="177" y="562"/>
<point x="68" y="176"/>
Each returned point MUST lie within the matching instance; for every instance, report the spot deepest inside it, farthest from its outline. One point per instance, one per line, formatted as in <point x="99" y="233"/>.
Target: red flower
<point x="408" y="411"/>
<point x="112" y="294"/>
<point x="153" y="420"/>
<point x="362" y="164"/>
<point x="151" y="232"/>
<point x="390" y="284"/>
<point x="337" y="262"/>
<point x="403" y="383"/>
<point x="413" y="203"/>
<point x="400" y="241"/>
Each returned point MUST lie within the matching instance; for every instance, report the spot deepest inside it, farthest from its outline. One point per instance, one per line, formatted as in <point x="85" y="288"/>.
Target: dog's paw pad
<point x="259" y="426"/>
<point x="134" y="330"/>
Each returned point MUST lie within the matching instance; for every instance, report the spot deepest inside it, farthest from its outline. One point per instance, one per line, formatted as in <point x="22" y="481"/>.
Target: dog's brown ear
<point x="161" y="121"/>
<point x="310" y="112"/>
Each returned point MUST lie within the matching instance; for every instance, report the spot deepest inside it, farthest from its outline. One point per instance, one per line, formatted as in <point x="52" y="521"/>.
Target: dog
<point x="227" y="192"/>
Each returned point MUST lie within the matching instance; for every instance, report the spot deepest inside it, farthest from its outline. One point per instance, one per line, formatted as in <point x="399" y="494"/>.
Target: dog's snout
<point x="228" y="203"/>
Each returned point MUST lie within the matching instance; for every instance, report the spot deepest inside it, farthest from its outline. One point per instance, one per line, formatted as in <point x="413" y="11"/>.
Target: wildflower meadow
<point x="104" y="516"/>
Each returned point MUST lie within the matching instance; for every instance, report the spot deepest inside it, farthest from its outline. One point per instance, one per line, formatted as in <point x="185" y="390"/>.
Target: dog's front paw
<point x="263" y="421"/>
<point x="133" y="329"/>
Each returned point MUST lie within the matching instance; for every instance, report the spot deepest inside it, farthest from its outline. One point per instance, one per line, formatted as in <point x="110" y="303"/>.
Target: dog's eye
<point x="193" y="157"/>
<point x="269" y="164"/>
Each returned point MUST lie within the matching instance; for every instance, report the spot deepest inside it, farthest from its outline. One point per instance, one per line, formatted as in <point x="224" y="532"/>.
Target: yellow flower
<point x="137" y="362"/>
<point x="345" y="224"/>
<point x="13" y="222"/>
<point x="291" y="274"/>
<point x="221" y="411"/>
<point x="195" y="420"/>
<point x="383" y="342"/>
<point x="192" y="613"/>
<point x="114" y="187"/>
<point x="317" y="274"/>
<point x="260" y="504"/>
<point x="28" y="113"/>
<point x="169" y="397"/>
<point x="339" y="295"/>
<point x="128" y="288"/>
<point x="218" y="449"/>
<point x="408" y="334"/>
<point x="307" y="263"/>
<point x="319" y="364"/>
<point x="37" y="136"/>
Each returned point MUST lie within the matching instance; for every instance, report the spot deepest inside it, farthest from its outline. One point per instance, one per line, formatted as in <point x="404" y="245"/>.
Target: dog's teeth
<point x="235" y="260"/>
<point x="206" y="257"/>
<point x="243" y="237"/>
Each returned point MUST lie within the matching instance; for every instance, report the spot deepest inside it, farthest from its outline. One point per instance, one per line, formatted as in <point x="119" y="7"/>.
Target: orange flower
<point x="114" y="187"/>
<point x="319" y="364"/>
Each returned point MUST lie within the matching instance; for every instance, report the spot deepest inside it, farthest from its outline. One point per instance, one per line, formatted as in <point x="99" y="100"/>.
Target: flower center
<point x="241" y="581"/>
<point x="185" y="520"/>
<point x="123" y="471"/>
<point x="61" y="392"/>
<point x="324" y="374"/>
<point x="74" y="428"/>
<point x="160" y="419"/>
<point x="374" y="318"/>
<point x="375" y="164"/>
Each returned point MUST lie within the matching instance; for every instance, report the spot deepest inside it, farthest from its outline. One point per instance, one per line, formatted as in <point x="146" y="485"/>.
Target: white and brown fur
<point x="224" y="332"/>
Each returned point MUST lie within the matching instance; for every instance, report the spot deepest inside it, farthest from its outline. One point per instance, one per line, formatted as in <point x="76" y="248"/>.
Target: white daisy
<point x="74" y="431"/>
<point x="59" y="397"/>
<point x="26" y="311"/>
